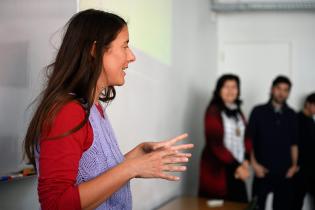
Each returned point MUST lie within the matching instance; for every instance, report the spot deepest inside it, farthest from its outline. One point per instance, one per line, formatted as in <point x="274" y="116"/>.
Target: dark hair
<point x="216" y="99"/>
<point x="310" y="98"/>
<point x="74" y="73"/>
<point x="281" y="79"/>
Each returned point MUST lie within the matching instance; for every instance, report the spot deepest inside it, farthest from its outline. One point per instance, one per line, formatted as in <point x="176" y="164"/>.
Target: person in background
<point x="304" y="180"/>
<point x="70" y="139"/>
<point x="224" y="162"/>
<point x="273" y="130"/>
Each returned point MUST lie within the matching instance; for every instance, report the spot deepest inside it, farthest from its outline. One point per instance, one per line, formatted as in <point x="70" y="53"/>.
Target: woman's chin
<point x="121" y="83"/>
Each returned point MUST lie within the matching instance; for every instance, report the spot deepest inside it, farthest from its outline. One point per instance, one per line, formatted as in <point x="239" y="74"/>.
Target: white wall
<point x="158" y="101"/>
<point x="258" y="46"/>
<point x="28" y="40"/>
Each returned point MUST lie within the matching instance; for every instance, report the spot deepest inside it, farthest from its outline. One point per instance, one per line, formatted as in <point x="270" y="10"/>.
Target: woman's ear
<point x="93" y="49"/>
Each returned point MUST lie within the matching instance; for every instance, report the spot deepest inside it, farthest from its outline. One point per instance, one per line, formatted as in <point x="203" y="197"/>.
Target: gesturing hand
<point x="147" y="147"/>
<point x="155" y="164"/>
<point x="153" y="159"/>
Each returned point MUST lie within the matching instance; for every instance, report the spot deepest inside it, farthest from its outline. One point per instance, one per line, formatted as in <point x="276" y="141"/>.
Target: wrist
<point x="131" y="168"/>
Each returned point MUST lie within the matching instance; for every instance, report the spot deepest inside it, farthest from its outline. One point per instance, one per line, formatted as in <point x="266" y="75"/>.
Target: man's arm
<point x="294" y="156"/>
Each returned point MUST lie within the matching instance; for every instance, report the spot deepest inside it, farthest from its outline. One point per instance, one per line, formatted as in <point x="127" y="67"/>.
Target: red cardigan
<point x="215" y="156"/>
<point x="59" y="159"/>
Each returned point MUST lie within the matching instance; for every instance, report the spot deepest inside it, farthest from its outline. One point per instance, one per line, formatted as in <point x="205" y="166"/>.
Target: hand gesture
<point x="147" y="147"/>
<point x="153" y="159"/>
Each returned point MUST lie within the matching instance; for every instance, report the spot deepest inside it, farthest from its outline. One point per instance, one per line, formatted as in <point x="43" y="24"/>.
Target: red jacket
<point x="215" y="156"/>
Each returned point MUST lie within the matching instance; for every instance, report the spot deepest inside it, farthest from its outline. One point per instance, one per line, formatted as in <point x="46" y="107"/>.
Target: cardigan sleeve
<point x="59" y="159"/>
<point x="214" y="138"/>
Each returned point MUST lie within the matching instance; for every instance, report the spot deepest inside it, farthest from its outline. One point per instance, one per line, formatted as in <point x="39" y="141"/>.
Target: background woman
<point x="224" y="162"/>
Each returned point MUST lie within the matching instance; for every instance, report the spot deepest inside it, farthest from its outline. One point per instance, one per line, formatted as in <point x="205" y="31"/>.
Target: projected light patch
<point x="149" y="23"/>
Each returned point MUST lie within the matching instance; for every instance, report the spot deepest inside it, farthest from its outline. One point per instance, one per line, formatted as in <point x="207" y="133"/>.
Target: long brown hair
<point x="74" y="73"/>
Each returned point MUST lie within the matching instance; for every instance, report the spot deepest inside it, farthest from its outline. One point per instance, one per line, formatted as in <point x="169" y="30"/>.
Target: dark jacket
<point x="273" y="133"/>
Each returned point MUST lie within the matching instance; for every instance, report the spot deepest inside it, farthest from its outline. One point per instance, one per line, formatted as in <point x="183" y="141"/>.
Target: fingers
<point x="183" y="147"/>
<point x="175" y="140"/>
<point x="164" y="160"/>
<point x="246" y="164"/>
<point x="179" y="138"/>
<point x="169" y="177"/>
<point x="242" y="175"/>
<point x="170" y="142"/>
<point x="174" y="168"/>
<point x="168" y="152"/>
<point x="291" y="172"/>
<point x="261" y="174"/>
<point x="174" y="160"/>
<point x="265" y="170"/>
<point x="188" y="155"/>
<point x="259" y="167"/>
<point x="170" y="161"/>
